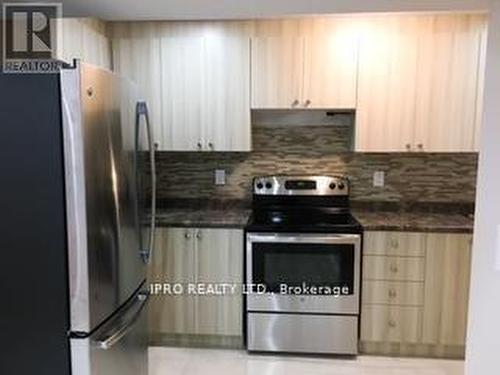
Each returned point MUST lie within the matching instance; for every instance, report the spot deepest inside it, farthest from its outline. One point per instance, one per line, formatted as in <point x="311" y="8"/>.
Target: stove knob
<point x="341" y="186"/>
<point x="269" y="185"/>
<point x="333" y="186"/>
<point x="259" y="185"/>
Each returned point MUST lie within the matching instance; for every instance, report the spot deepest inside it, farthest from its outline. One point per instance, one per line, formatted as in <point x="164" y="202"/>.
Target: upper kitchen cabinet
<point x="206" y="93"/>
<point x="195" y="78"/>
<point x="136" y="55"/>
<point x="226" y="105"/>
<point x="448" y="94"/>
<point x="313" y="68"/>
<point x="419" y="84"/>
<point x="85" y="39"/>
<point x="182" y="90"/>
<point x="330" y="63"/>
<point x="277" y="72"/>
<point x="387" y="80"/>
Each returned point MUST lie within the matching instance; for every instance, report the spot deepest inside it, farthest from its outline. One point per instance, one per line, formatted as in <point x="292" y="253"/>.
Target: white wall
<point x="224" y="9"/>
<point x="483" y="343"/>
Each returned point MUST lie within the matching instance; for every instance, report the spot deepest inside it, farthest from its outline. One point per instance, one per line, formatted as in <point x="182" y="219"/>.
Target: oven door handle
<point x="304" y="238"/>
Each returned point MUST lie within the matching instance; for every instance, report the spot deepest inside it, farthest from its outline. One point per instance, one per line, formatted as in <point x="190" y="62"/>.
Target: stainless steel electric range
<point x="303" y="260"/>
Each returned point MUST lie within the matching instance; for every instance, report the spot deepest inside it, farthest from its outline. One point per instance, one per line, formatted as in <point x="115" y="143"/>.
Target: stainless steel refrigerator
<point x="80" y="192"/>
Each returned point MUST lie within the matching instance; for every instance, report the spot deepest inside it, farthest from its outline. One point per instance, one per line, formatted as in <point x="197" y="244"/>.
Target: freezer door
<point x="104" y="251"/>
<point x="119" y="347"/>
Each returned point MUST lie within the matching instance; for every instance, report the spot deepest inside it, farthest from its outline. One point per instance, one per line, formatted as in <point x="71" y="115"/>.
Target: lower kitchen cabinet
<point x="415" y="293"/>
<point x="197" y="258"/>
<point x="446" y="289"/>
<point x="219" y="260"/>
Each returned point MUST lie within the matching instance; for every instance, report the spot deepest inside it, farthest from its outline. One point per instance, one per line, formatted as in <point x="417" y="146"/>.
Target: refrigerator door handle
<point x="142" y="110"/>
<point x="111" y="339"/>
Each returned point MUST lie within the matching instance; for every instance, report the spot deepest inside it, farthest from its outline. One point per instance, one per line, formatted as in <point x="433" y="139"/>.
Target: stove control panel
<point x="301" y="185"/>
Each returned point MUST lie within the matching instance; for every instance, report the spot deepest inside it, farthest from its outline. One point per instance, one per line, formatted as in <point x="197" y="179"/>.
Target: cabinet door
<point x="385" y="114"/>
<point x="277" y="72"/>
<point x="85" y="39"/>
<point x="331" y="61"/>
<point x="220" y="262"/>
<point x="226" y="108"/>
<point x="136" y="55"/>
<point x="173" y="263"/>
<point x="183" y="88"/>
<point x="448" y="83"/>
<point x="446" y="288"/>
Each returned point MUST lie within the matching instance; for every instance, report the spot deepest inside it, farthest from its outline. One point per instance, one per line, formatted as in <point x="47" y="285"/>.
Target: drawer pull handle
<point x="394" y="244"/>
<point x="187" y="235"/>
<point x="392" y="293"/>
<point x="392" y="323"/>
<point x="394" y="268"/>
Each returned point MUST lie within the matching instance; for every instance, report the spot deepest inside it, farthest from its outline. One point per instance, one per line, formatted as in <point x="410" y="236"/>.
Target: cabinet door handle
<point x="408" y="147"/>
<point x="392" y="293"/>
<point x="187" y="235"/>
<point x="210" y="146"/>
<point x="295" y="103"/>
<point x="420" y="146"/>
<point x="199" y="146"/>
<point x="392" y="323"/>
<point x="394" y="243"/>
<point x="307" y="103"/>
<point x="198" y="235"/>
<point x="394" y="268"/>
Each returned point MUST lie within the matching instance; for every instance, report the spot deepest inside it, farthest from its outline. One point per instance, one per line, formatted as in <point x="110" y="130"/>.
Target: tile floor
<point x="179" y="361"/>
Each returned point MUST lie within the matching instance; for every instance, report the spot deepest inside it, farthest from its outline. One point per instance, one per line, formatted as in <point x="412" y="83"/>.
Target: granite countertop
<point x="206" y="214"/>
<point x="415" y="221"/>
<point x="235" y="214"/>
<point x="203" y="217"/>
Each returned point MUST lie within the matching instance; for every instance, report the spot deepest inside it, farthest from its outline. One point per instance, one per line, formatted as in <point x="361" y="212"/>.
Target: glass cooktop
<point x="304" y="219"/>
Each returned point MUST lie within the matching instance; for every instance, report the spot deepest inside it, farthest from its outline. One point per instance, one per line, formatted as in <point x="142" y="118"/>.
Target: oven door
<point x="310" y="273"/>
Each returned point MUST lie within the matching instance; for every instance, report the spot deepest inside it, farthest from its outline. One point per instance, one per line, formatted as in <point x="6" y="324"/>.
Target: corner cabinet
<point x="190" y="256"/>
<point x="415" y="293"/>
<point x="420" y="83"/>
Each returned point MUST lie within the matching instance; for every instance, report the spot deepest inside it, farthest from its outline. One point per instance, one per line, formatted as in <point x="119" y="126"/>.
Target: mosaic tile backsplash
<point x="284" y="149"/>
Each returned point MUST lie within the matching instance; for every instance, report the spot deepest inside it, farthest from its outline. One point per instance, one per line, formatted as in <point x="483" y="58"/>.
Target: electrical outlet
<point x="220" y="177"/>
<point x="379" y="179"/>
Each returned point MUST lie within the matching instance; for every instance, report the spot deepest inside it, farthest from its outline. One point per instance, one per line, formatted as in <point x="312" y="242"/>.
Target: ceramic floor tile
<point x="178" y="361"/>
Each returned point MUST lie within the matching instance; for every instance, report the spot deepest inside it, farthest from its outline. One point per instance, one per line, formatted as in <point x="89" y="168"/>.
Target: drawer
<point x="398" y="324"/>
<point x="394" y="244"/>
<point x="302" y="333"/>
<point x="393" y="293"/>
<point x="393" y="268"/>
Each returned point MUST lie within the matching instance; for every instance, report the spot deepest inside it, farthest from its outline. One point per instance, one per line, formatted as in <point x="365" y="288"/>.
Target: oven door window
<point x="297" y="268"/>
